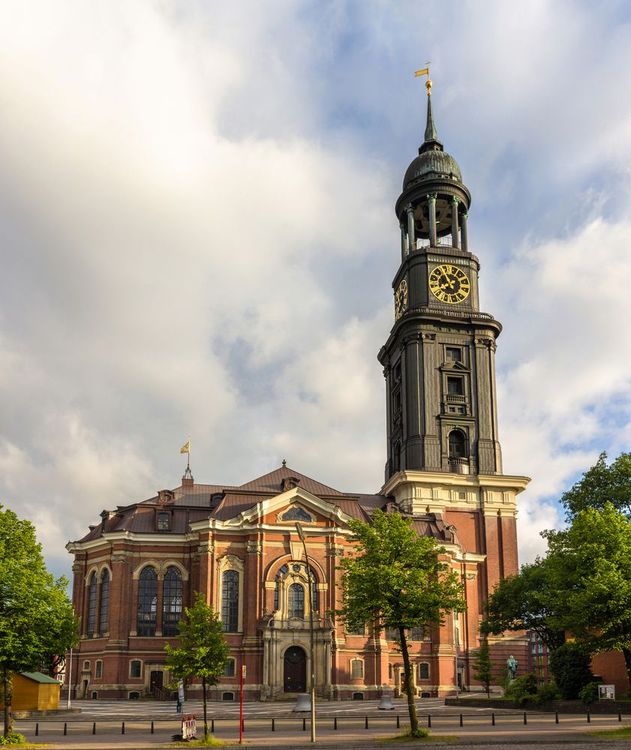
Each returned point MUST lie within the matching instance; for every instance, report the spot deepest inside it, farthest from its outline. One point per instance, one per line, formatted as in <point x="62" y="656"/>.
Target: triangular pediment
<point x="272" y="510"/>
<point x="454" y="367"/>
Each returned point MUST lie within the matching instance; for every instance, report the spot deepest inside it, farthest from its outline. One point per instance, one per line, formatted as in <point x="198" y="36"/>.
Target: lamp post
<point x="69" y="680"/>
<point x="311" y="633"/>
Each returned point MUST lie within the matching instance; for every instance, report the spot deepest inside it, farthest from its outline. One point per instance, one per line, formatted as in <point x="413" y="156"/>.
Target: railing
<point x="349" y="723"/>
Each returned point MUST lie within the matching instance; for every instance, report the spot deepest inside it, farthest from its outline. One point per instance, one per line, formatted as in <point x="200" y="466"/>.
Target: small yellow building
<point x="34" y="691"/>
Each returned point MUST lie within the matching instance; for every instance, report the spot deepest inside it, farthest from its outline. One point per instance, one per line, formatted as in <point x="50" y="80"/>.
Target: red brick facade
<point x="214" y="530"/>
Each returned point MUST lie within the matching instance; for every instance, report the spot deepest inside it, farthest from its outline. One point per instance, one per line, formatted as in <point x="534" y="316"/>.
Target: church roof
<point x="191" y="503"/>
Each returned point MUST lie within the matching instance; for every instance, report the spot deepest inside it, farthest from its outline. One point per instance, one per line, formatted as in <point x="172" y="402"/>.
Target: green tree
<point x="589" y="570"/>
<point x="202" y="650"/>
<point x="525" y="602"/>
<point x="483" y="667"/>
<point x="601" y="484"/>
<point x="570" y="666"/>
<point x="36" y="617"/>
<point x="396" y="580"/>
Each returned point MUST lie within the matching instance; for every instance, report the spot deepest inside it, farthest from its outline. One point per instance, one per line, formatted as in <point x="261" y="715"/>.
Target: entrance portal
<point x="295" y="670"/>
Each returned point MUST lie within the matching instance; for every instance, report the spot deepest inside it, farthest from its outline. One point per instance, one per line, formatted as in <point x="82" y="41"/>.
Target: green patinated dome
<point x="429" y="163"/>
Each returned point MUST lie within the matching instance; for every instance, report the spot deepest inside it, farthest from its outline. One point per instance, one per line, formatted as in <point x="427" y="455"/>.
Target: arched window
<point x="104" y="612"/>
<point x="172" y="601"/>
<point x="92" y="605"/>
<point x="457" y="444"/>
<point x="147" y="602"/>
<point x="296" y="600"/>
<point x="230" y="601"/>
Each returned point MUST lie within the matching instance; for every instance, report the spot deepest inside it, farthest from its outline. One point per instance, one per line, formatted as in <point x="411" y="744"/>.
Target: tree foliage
<point x="525" y="602"/>
<point x="601" y="484"/>
<point x="201" y="651"/>
<point x="397" y="580"/>
<point x="36" y="617"/>
<point x="569" y="665"/>
<point x="483" y="667"/>
<point x="590" y="574"/>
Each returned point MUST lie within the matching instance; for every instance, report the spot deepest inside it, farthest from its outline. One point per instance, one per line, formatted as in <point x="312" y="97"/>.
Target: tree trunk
<point x="205" y="708"/>
<point x="407" y="669"/>
<point x="7" y="692"/>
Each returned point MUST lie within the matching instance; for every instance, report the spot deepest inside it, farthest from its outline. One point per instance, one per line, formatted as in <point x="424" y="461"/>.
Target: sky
<point x="198" y="238"/>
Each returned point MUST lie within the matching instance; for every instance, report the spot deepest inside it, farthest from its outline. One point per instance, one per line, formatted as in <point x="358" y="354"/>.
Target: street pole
<point x="311" y="634"/>
<point x="241" y="678"/>
<point x="69" y="670"/>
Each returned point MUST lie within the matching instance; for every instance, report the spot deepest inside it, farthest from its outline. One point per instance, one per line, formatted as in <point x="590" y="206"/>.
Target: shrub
<point x="589" y="693"/>
<point x="13" y="738"/>
<point x="570" y="666"/>
<point x="547" y="693"/>
<point x="523" y="689"/>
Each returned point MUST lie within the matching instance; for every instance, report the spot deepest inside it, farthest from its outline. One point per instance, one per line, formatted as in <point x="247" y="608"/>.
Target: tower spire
<point x="431" y="142"/>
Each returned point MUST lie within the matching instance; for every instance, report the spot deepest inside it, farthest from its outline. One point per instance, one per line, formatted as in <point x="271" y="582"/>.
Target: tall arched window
<point x="92" y="605"/>
<point x="457" y="444"/>
<point x="172" y="601"/>
<point x="104" y="612"/>
<point x="296" y="600"/>
<point x="230" y="601"/>
<point x="147" y="602"/>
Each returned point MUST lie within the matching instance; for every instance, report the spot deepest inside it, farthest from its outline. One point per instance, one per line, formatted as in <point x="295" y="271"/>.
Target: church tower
<point x="443" y="449"/>
<point x="440" y="357"/>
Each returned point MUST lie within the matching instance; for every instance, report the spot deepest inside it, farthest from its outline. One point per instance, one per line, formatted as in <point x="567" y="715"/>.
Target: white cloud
<point x="197" y="238"/>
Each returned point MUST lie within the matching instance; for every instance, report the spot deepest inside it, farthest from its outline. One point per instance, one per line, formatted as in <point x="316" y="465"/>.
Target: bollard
<point x="273" y="725"/>
<point x="123" y="727"/>
<point x="619" y="715"/>
<point x="94" y="727"/>
<point x="461" y="722"/>
<point x="525" y="718"/>
<point x="429" y="721"/>
<point x="152" y="732"/>
<point x="335" y="722"/>
<point x="589" y="718"/>
<point x="398" y="722"/>
<point x="65" y="728"/>
<point x="366" y="723"/>
<point x="212" y="725"/>
<point x="37" y="728"/>
<point x="304" y="725"/>
<point x="492" y="719"/>
<point x="556" y="717"/>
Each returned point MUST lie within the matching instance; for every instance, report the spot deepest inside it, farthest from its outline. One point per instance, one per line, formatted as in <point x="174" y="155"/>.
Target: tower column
<point x="455" y="239"/>
<point x="431" y="200"/>
<point x="411" y="233"/>
<point x="465" y="239"/>
<point x="404" y="242"/>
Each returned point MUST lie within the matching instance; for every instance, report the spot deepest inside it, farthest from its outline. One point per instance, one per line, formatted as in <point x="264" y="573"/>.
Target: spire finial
<point x="431" y="134"/>
<point x="284" y="463"/>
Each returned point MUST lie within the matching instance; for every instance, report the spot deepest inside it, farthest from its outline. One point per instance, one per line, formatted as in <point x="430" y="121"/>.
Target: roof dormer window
<point x="163" y="520"/>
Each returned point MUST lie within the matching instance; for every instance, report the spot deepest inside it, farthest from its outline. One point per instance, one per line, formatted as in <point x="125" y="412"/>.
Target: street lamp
<point x="311" y="634"/>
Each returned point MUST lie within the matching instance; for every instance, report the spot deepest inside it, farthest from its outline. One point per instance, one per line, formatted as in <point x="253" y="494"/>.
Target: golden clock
<point x="401" y="299"/>
<point x="449" y="284"/>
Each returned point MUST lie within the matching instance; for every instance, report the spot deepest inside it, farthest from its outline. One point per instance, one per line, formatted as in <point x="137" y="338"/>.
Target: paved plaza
<point x="347" y="725"/>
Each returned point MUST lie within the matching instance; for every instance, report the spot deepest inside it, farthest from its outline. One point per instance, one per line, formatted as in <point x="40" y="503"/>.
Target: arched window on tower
<point x="171" y="601"/>
<point x="92" y="605"/>
<point x="104" y="612"/>
<point x="296" y="600"/>
<point x="457" y="444"/>
<point x="230" y="601"/>
<point x="147" y="602"/>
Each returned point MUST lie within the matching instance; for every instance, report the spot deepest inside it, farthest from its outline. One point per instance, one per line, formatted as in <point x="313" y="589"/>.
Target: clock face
<point x="449" y="284"/>
<point x="401" y="299"/>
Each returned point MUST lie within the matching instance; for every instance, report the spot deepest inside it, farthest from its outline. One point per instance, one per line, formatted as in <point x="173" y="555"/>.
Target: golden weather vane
<point x="425" y="72"/>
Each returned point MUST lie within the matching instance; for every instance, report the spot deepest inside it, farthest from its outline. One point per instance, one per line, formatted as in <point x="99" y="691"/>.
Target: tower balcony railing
<point x="295" y="623"/>
<point x="459" y="465"/>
